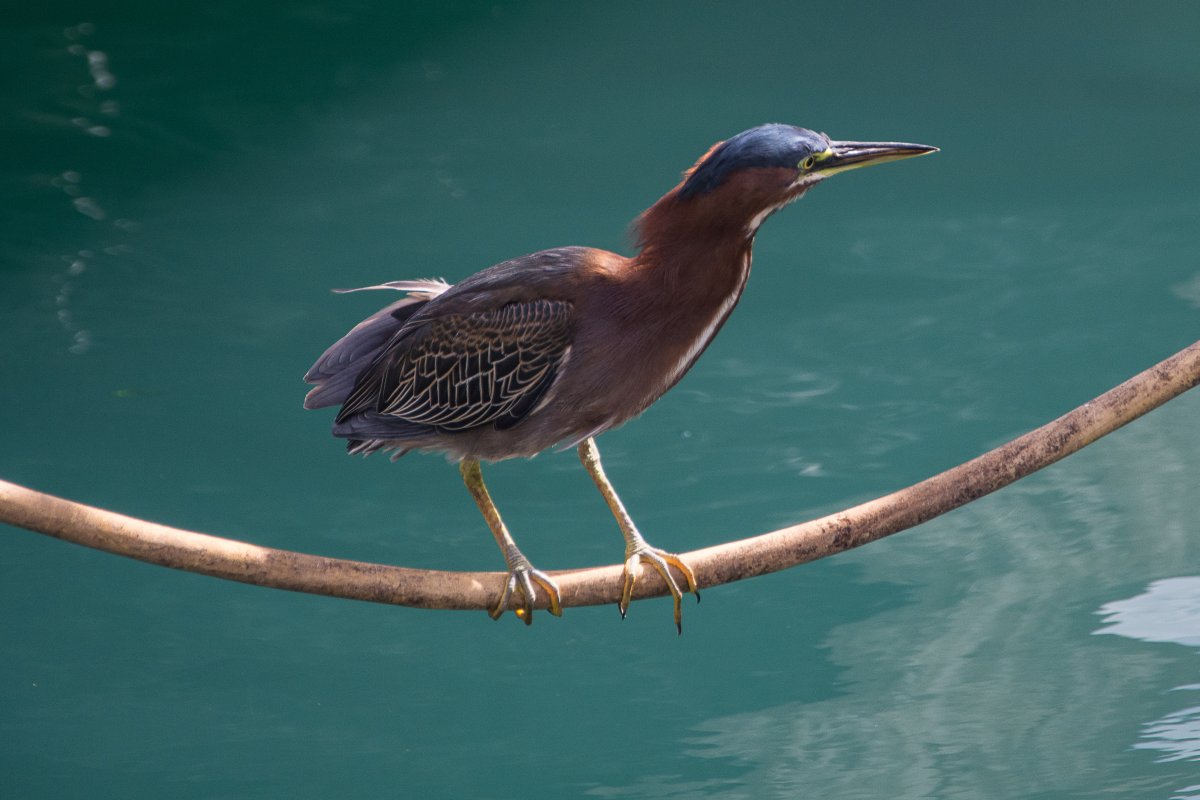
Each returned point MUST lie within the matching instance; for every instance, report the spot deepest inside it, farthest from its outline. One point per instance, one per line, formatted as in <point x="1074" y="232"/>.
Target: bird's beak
<point x="842" y="156"/>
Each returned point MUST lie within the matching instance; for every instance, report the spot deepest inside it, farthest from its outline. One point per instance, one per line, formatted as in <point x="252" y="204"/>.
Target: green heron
<point x="557" y="347"/>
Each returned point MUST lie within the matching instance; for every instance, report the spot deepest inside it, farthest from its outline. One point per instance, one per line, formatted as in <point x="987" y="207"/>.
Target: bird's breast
<point x="702" y="336"/>
<point x="646" y="337"/>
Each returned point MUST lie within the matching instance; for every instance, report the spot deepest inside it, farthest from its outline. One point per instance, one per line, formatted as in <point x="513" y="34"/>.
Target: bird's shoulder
<point x="558" y="274"/>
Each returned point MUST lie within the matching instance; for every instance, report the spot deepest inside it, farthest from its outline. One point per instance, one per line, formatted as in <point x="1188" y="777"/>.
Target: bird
<point x="554" y="348"/>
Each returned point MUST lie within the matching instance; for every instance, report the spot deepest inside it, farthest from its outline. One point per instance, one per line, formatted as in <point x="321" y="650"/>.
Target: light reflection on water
<point x="986" y="682"/>
<point x="88" y="101"/>
<point x="1168" y="611"/>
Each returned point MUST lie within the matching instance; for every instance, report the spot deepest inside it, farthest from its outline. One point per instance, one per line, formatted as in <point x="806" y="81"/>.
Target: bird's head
<point x="745" y="178"/>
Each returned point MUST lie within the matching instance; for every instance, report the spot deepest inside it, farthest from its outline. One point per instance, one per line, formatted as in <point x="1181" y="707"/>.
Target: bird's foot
<point x="523" y="578"/>
<point x="662" y="562"/>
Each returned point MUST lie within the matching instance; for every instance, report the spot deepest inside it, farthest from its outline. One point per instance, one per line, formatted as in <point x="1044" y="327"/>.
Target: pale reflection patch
<point x="1168" y="611"/>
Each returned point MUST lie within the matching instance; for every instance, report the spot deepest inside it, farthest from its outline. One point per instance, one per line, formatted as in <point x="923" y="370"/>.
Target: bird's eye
<point x="808" y="163"/>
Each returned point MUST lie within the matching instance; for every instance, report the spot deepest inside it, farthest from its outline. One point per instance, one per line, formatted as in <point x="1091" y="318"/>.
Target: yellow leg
<point x="636" y="548"/>
<point x="521" y="574"/>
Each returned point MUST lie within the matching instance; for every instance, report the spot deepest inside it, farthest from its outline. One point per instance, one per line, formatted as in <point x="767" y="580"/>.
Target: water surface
<point x="186" y="186"/>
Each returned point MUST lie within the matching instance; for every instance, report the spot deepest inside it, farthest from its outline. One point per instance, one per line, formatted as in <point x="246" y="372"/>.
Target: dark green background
<point x="166" y="247"/>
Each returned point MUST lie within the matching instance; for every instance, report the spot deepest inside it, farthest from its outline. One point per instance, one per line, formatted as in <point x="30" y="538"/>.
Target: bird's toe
<point x="524" y="581"/>
<point x="662" y="562"/>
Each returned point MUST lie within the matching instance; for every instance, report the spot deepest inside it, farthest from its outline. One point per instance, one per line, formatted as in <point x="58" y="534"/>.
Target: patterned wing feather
<point x="461" y="371"/>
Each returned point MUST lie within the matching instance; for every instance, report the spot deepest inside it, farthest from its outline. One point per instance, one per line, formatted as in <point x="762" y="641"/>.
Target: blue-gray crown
<point x="772" y="145"/>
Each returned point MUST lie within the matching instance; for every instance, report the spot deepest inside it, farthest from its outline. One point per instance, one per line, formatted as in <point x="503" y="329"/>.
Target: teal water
<point x="183" y="187"/>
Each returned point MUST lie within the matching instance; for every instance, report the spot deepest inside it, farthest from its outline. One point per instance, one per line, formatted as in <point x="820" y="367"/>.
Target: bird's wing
<point x="462" y="370"/>
<point x="336" y="371"/>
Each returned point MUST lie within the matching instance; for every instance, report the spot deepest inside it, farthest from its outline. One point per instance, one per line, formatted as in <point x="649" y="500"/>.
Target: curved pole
<point x="724" y="563"/>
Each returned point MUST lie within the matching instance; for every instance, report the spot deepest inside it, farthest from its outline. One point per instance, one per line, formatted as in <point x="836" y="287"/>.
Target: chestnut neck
<point x="698" y="249"/>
